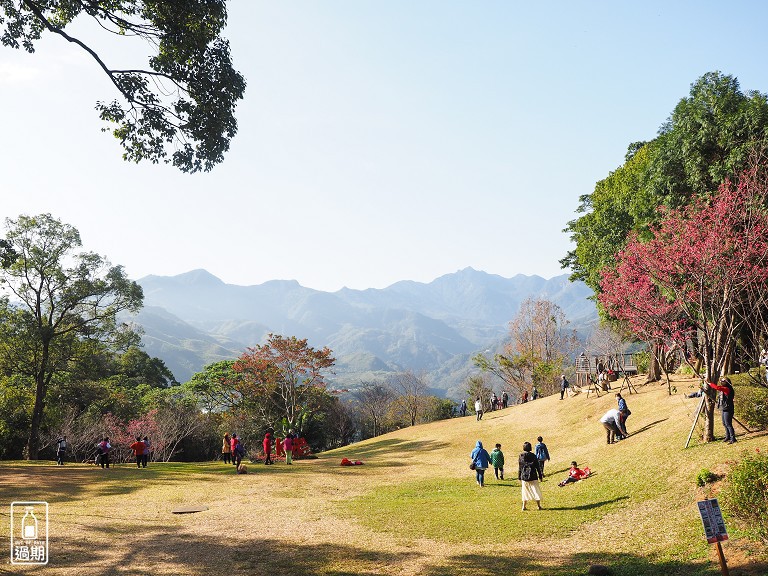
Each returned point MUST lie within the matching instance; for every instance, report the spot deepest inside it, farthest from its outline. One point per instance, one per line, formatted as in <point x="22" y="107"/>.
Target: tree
<point x="60" y="300"/>
<point x="706" y="139"/>
<point x="540" y="344"/>
<point x="183" y="100"/>
<point x="693" y="279"/>
<point x="287" y="374"/>
<point x="411" y="390"/>
<point x="375" y="399"/>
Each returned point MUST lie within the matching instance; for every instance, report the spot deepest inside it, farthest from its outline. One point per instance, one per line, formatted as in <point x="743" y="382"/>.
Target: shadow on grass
<point x="166" y="551"/>
<point x="648" y="426"/>
<point x="592" y="505"/>
<point x="392" y="447"/>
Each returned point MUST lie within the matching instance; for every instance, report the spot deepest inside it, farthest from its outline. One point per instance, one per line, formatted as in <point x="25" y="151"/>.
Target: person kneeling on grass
<point x="575" y="474"/>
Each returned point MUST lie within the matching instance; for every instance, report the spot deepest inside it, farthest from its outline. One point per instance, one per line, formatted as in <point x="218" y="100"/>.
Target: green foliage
<point x="642" y="361"/>
<point x="705" y="477"/>
<point x="182" y="104"/>
<point x="745" y="496"/>
<point x="707" y="139"/>
<point x="751" y="401"/>
<point x="16" y="400"/>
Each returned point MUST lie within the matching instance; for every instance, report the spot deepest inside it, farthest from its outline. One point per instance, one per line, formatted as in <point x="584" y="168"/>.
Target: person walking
<point x="493" y="399"/>
<point x="61" y="450"/>
<point x="234" y="445"/>
<point x="288" y="447"/>
<point x="534" y="392"/>
<point x="497" y="461"/>
<point x="104" y="448"/>
<point x="564" y="385"/>
<point x="542" y="454"/>
<point x="611" y="423"/>
<point x="226" y="448"/>
<point x="267" y="445"/>
<point x="147" y="448"/>
<point x="463" y="408"/>
<point x="529" y="474"/>
<point x="138" y="451"/>
<point x="480" y="462"/>
<point x="504" y="399"/>
<point x="726" y="405"/>
<point x="478" y="409"/>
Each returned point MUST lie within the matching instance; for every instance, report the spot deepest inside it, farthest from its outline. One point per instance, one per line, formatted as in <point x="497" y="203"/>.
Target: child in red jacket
<point x="575" y="474"/>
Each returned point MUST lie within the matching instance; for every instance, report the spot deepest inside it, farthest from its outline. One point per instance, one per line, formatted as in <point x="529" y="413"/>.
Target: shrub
<point x="751" y="401"/>
<point x="643" y="361"/>
<point x="705" y="476"/>
<point x="745" y="496"/>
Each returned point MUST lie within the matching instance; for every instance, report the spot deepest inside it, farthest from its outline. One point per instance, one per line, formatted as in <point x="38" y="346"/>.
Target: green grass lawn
<point x="412" y="508"/>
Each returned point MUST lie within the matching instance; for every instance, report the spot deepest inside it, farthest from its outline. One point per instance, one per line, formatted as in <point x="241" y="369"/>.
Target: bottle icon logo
<point x="29" y="532"/>
<point x="29" y="524"/>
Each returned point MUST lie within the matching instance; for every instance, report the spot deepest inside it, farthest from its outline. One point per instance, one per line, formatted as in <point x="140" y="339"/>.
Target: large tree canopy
<point x="59" y="301"/>
<point x="180" y="107"/>
<point x="706" y="139"/>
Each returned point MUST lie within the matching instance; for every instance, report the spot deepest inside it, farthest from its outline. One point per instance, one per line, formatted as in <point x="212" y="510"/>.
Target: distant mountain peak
<point x="199" y="276"/>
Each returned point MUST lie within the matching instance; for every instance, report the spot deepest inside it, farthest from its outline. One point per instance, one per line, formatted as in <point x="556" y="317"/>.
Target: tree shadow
<point x="648" y="426"/>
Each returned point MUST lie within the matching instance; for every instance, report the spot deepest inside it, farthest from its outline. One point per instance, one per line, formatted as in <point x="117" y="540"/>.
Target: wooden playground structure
<point x="596" y="372"/>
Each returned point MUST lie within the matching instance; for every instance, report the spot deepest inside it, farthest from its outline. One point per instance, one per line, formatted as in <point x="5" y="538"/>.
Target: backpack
<point x="527" y="472"/>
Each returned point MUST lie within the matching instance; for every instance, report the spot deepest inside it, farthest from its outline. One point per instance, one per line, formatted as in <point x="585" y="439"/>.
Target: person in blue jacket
<point x="481" y="459"/>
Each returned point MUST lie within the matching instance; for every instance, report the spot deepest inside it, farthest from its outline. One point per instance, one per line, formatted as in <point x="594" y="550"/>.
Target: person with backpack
<point x="480" y="462"/>
<point x="102" y="450"/>
<point x="497" y="460"/>
<point x="542" y="454"/>
<point x="529" y="474"/>
<point x="61" y="450"/>
<point x="726" y="405"/>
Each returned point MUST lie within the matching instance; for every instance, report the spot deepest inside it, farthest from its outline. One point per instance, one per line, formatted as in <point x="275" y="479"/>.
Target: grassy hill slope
<point x="413" y="508"/>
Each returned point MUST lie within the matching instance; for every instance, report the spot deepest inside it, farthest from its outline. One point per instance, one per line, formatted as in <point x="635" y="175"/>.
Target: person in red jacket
<point x="268" y="447"/>
<point x="574" y="474"/>
<point x="726" y="404"/>
<point x="138" y="451"/>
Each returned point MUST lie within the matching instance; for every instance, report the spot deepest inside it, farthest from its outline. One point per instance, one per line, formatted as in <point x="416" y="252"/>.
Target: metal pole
<point x="695" y="420"/>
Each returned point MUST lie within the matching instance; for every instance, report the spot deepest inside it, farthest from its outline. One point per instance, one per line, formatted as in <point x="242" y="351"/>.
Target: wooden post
<point x="721" y="557"/>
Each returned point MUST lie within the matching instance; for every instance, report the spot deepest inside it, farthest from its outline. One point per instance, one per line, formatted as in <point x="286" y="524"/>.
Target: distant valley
<point x="193" y="319"/>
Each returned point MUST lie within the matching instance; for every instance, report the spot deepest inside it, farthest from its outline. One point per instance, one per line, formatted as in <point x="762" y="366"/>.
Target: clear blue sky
<point x="378" y="141"/>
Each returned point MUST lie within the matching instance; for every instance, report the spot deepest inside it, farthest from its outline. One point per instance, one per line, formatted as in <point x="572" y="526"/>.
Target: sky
<point x="378" y="141"/>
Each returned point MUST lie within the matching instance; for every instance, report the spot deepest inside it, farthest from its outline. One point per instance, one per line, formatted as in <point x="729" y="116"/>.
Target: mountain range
<point x="193" y="319"/>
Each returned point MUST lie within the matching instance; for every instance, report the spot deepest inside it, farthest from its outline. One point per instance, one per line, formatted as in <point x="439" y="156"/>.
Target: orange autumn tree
<point x="286" y="375"/>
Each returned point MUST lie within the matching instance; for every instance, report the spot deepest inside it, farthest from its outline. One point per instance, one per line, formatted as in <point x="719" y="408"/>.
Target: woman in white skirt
<point x="529" y="475"/>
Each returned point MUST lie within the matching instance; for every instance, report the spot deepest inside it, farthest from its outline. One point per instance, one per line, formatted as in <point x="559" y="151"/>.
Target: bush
<point x="643" y="361"/>
<point x="751" y="402"/>
<point x="705" y="476"/>
<point x="745" y="496"/>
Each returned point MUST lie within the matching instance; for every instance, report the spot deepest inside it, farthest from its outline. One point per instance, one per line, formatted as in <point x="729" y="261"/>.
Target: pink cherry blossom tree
<point x="696" y="277"/>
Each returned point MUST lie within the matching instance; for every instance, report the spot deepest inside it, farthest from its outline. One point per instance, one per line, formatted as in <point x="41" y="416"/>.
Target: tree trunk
<point x="33" y="442"/>
<point x="709" y="417"/>
<point x="654" y="368"/>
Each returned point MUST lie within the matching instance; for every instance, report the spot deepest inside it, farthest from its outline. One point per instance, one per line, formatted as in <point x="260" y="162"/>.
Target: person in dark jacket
<point x="497" y="461"/>
<point x="529" y="474"/>
<point x="726" y="404"/>
<point x="481" y="459"/>
<point x="564" y="385"/>
<point x="542" y="454"/>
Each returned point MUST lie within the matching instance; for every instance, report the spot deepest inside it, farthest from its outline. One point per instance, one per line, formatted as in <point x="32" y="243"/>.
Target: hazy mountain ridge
<point x="194" y="318"/>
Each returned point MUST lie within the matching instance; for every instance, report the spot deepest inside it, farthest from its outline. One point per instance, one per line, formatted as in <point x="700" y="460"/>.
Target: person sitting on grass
<point x="575" y="474"/>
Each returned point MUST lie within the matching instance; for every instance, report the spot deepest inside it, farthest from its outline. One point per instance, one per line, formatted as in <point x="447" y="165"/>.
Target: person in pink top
<point x="237" y="456"/>
<point x="288" y="447"/>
